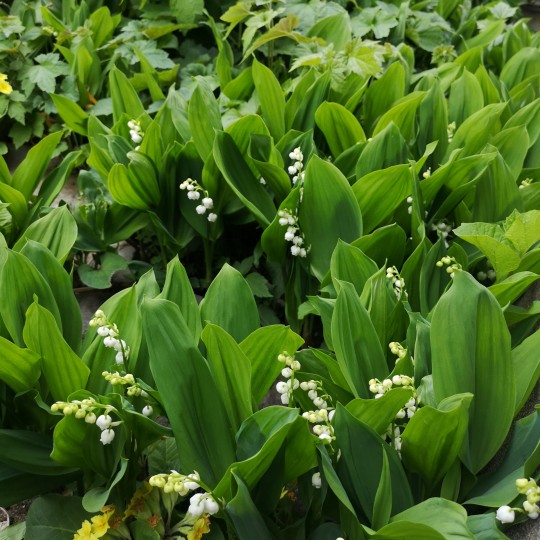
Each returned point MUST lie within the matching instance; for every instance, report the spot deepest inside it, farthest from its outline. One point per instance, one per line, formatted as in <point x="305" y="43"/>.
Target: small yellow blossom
<point x="201" y="527"/>
<point x="85" y="532"/>
<point x="5" y="87"/>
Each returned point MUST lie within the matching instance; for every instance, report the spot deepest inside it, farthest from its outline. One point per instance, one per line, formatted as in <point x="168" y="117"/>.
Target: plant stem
<point x="208" y="256"/>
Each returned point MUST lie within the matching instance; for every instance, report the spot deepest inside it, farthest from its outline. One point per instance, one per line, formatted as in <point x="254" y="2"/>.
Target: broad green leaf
<point x="384" y="245"/>
<point x="187" y="11"/>
<point x="381" y="508"/>
<point x="100" y="278"/>
<point x="271" y="99"/>
<point x="446" y="517"/>
<point x="523" y="230"/>
<point x="124" y="97"/>
<point x="72" y="114"/>
<point x="231" y="369"/>
<point x="484" y="527"/>
<point x="241" y="180"/>
<point x="63" y="370"/>
<point x="304" y="117"/>
<point x="511" y="288"/>
<point x="97" y="497"/>
<point x="379" y="413"/>
<point x="465" y="98"/>
<point x="28" y="174"/>
<point x="433" y="437"/>
<point x="520" y="67"/>
<point x="20" y="282"/>
<point x="358" y="350"/>
<point x="469" y="319"/>
<point x="380" y="193"/>
<point x="19" y="368"/>
<point x="57" y="231"/>
<point x="335" y="29"/>
<point x="228" y="290"/>
<point x="526" y="363"/>
<point x="326" y="191"/>
<point x="188" y="392"/>
<point x="407" y="529"/>
<point x="17" y="203"/>
<point x="55" y="517"/>
<point x="520" y="461"/>
<point x="360" y="465"/>
<point x="262" y="347"/>
<point x="339" y="126"/>
<point x="204" y="118"/>
<point x="177" y="289"/>
<point x="61" y="286"/>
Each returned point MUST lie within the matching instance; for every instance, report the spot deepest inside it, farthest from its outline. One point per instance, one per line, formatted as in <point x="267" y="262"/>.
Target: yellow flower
<point x="85" y="532"/>
<point x="100" y="525"/>
<point x="202" y="526"/>
<point x="5" y="87"/>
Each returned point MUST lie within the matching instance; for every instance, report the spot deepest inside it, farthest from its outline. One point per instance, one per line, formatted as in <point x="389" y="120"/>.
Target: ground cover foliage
<point x="332" y="203"/>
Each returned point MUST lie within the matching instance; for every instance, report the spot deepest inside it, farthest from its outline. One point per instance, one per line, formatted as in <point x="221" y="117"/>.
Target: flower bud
<point x="316" y="480"/>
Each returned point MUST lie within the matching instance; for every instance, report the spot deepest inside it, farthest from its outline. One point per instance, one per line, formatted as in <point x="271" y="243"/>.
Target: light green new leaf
<point x="232" y="372"/>
<point x="379" y="194"/>
<point x="526" y="363"/>
<point x="327" y="194"/>
<point x="28" y="174"/>
<point x="358" y="350"/>
<point x="339" y="126"/>
<point x="523" y="230"/>
<point x="189" y="393"/>
<point x="18" y="206"/>
<point x="219" y="306"/>
<point x="262" y="347"/>
<point x="470" y="346"/>
<point x="72" y="114"/>
<point x="57" y="231"/>
<point x="125" y="99"/>
<point x="465" y="98"/>
<point x="63" y="370"/>
<point x="19" y="368"/>
<point x="271" y="99"/>
<point x="433" y="437"/>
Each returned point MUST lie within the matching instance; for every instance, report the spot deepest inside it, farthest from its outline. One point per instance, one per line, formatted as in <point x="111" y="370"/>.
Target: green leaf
<point x="339" y="126"/>
<point x="231" y="369"/>
<point x="55" y="517"/>
<point x="271" y="99"/>
<point x="125" y="99"/>
<point x="242" y="180"/>
<point x="96" y="498"/>
<point x="358" y="350"/>
<point x="361" y="462"/>
<point x="262" y="347"/>
<point x="189" y="393"/>
<point x="381" y="509"/>
<point x="523" y="229"/>
<point x="57" y="231"/>
<point x="326" y="191"/>
<point x="433" y="437"/>
<point x="17" y="203"/>
<point x="100" y="278"/>
<point x="187" y="11"/>
<point x="446" y="517"/>
<point x="526" y="363"/>
<point x="228" y="290"/>
<point x="379" y="413"/>
<point x="484" y="526"/>
<point x="63" y="370"/>
<point x="20" y="368"/>
<point x="28" y="174"/>
<point x="381" y="192"/>
<point x="72" y="114"/>
<point x="469" y="319"/>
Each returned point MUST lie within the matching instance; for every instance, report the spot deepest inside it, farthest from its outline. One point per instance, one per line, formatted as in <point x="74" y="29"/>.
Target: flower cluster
<point x="398" y="349"/>
<point x="525" y="183"/>
<point x="194" y="192"/>
<point x="176" y="482"/>
<point x="531" y="490"/>
<point x="293" y="234"/>
<point x="450" y="130"/>
<point x="444" y="228"/>
<point x="110" y="334"/>
<point x="409" y="203"/>
<point x="135" y="132"/>
<point x="324" y="413"/>
<point x="285" y="388"/>
<point x="296" y="169"/>
<point x="97" y="527"/>
<point x="202" y="503"/>
<point x="84" y="409"/>
<point x="451" y="263"/>
<point x="133" y="390"/>
<point x="397" y="281"/>
<point x="379" y="388"/>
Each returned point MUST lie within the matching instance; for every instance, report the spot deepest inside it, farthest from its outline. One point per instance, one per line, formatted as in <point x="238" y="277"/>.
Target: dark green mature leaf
<point x="229" y="290"/>
<point x="484" y="527"/>
<point x="63" y="370"/>
<point x="189" y="393"/>
<point x="100" y="278"/>
<point x="470" y="346"/>
<point x="19" y="368"/>
<point x="379" y="194"/>
<point x="262" y="347"/>
<point x="231" y="369"/>
<point x="55" y="517"/>
<point x="241" y="179"/>
<point x="57" y="231"/>
<point x="327" y="194"/>
<point x="433" y="437"/>
<point x="358" y="350"/>
<point x="381" y="508"/>
<point x="361" y="462"/>
<point x="526" y="362"/>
